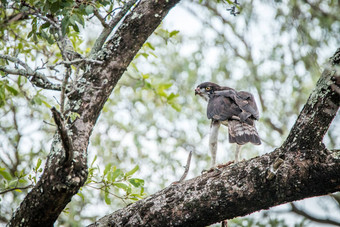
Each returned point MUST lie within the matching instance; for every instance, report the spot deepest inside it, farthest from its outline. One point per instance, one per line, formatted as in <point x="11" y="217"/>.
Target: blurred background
<point x="273" y="49"/>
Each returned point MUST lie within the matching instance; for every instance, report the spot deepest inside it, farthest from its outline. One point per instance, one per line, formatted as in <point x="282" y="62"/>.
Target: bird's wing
<point x="245" y="102"/>
<point x="222" y="107"/>
<point x="248" y="104"/>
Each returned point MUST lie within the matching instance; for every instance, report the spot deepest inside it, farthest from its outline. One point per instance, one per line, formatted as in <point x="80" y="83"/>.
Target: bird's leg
<point x="215" y="125"/>
<point x="237" y="152"/>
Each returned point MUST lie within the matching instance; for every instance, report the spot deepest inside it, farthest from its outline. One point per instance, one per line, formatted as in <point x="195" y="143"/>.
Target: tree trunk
<point x="61" y="180"/>
<point x="302" y="167"/>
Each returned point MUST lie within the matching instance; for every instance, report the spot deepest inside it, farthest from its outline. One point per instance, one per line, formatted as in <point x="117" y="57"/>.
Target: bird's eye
<point x="208" y="88"/>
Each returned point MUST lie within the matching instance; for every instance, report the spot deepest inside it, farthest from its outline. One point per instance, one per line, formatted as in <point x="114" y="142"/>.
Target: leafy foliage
<point x="152" y="120"/>
<point x="112" y="179"/>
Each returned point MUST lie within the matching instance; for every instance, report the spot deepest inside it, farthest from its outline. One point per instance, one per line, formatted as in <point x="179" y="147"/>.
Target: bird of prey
<point x="235" y="109"/>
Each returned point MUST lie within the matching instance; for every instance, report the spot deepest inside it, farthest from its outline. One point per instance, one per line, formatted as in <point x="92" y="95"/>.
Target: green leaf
<point x="150" y="45"/>
<point x="107" y="168"/>
<point x="55" y="7"/>
<point x="45" y="25"/>
<point x="46" y="104"/>
<point x="113" y="175"/>
<point x="30" y="34"/>
<point x="173" y="33"/>
<point x="38" y="164"/>
<point x="94" y="159"/>
<point x="136" y="182"/>
<point x="81" y="196"/>
<point x="36" y="100"/>
<point x="64" y="24"/>
<point x="107" y="199"/>
<point x="77" y="18"/>
<point x="6" y="175"/>
<point x="13" y="182"/>
<point x="176" y="106"/>
<point x="75" y="27"/>
<point x="89" y="9"/>
<point x="146" y="76"/>
<point x="131" y="172"/>
<point x="22" y="181"/>
<point x="145" y="55"/>
<point x="11" y="89"/>
<point x="17" y="190"/>
<point x="172" y="96"/>
<point x="122" y="186"/>
<point x="19" y="80"/>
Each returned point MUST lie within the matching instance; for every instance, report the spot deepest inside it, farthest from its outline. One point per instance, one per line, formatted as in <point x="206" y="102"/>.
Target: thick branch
<point x="237" y="190"/>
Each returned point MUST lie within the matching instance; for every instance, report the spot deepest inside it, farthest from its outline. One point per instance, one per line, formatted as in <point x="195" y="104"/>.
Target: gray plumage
<point x="237" y="110"/>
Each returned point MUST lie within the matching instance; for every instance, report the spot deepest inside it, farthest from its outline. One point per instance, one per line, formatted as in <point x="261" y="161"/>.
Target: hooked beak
<point x="197" y="91"/>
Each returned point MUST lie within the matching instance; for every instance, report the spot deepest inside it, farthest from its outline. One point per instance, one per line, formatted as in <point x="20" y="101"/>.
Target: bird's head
<point x="206" y="89"/>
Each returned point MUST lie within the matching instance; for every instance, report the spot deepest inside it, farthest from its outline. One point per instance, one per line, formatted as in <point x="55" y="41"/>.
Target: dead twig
<point x="186" y="168"/>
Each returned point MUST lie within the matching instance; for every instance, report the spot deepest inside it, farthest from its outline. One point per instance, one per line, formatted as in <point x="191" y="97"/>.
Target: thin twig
<point x="65" y="139"/>
<point x="12" y="189"/>
<point x="312" y="218"/>
<point x="100" y="18"/>
<point x="112" y="12"/>
<point x="48" y="123"/>
<point x="101" y="189"/>
<point x="186" y="168"/>
<point x="76" y="61"/>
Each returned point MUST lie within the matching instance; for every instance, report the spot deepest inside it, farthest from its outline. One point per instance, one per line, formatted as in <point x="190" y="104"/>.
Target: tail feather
<point x="241" y="133"/>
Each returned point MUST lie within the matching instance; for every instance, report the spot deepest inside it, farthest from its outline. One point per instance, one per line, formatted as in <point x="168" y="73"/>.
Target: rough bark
<point x="58" y="183"/>
<point x="302" y="167"/>
<point x="237" y="190"/>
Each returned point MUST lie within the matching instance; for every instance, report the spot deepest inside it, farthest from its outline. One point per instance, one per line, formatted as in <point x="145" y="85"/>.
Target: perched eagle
<point x="234" y="109"/>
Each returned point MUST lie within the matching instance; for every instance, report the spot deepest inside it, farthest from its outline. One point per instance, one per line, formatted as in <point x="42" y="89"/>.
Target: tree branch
<point x="77" y="61"/>
<point x="36" y="78"/>
<point x="109" y="27"/>
<point x="312" y="218"/>
<point x="15" y="188"/>
<point x="100" y="18"/>
<point x="237" y="190"/>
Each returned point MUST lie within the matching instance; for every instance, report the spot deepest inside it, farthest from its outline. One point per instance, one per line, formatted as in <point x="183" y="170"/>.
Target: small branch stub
<point x="186" y="169"/>
<point x="65" y="139"/>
